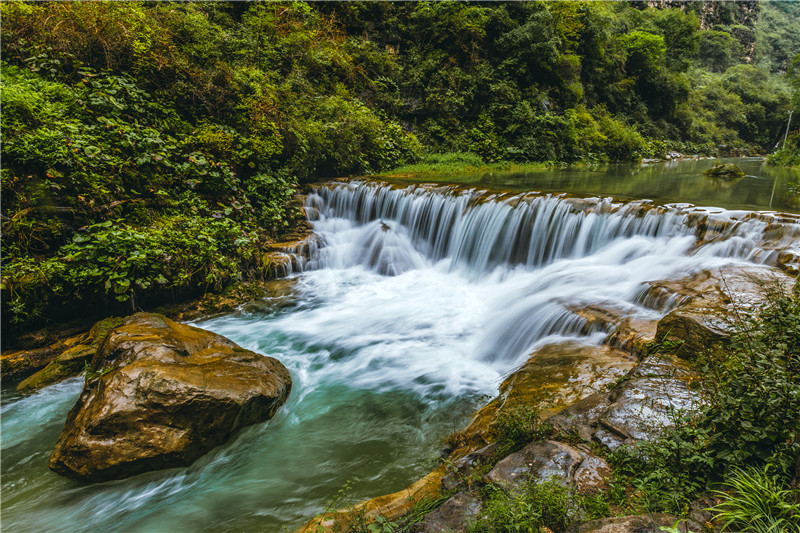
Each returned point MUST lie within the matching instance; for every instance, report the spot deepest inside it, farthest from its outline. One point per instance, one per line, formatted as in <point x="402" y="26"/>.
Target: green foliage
<point x="514" y="428"/>
<point x="537" y="504"/>
<point x="758" y="502"/>
<point x="644" y="52"/>
<point x="750" y="415"/>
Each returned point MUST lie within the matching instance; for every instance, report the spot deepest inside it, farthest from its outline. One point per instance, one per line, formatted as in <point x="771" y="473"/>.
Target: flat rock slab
<point x="650" y="523"/>
<point x="637" y="409"/>
<point x="550" y="460"/>
<point x="712" y="303"/>
<point x="539" y="460"/>
<point x="160" y="394"/>
<point x="556" y="375"/>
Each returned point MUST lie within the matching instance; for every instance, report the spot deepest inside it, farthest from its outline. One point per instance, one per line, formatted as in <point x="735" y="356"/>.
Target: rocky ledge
<point x="594" y="398"/>
<point x="160" y="394"/>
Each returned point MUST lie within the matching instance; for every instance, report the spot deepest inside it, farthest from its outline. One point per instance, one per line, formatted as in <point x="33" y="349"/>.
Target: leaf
<point x="91" y="150"/>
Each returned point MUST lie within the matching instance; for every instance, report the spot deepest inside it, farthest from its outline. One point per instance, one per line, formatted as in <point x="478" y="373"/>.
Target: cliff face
<point x="738" y="18"/>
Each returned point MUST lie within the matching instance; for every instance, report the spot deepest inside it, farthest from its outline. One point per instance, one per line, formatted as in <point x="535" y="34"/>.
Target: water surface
<point x="764" y="188"/>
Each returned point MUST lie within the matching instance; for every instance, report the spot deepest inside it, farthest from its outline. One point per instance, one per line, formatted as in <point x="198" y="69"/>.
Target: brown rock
<point x="637" y="409"/>
<point x="389" y="506"/>
<point x="539" y="460"/>
<point x="649" y="523"/>
<point x="161" y="394"/>
<point x="550" y="460"/>
<point x="555" y="375"/>
<point x="714" y="302"/>
<point x="73" y="360"/>
<point x="454" y="515"/>
<point x="16" y="362"/>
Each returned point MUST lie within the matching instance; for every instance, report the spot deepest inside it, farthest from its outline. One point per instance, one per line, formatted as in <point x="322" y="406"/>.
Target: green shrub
<point x="540" y="503"/>
<point x="759" y="502"/>
<point x="750" y="415"/>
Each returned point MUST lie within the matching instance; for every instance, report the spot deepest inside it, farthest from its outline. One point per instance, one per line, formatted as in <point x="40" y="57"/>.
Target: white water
<point x="416" y="303"/>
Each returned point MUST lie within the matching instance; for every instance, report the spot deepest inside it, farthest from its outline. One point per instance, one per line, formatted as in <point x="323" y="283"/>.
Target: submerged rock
<point x="724" y="170"/>
<point x="161" y="394"/>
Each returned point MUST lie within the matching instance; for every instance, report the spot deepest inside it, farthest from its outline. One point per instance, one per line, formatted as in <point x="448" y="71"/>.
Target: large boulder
<point x="713" y="304"/>
<point x="160" y="394"/>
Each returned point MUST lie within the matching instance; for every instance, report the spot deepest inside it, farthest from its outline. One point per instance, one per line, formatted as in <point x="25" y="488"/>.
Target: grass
<point x="758" y="502"/>
<point x="458" y="164"/>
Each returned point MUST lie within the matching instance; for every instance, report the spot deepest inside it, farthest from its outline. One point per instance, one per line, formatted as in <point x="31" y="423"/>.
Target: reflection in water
<point x="763" y="187"/>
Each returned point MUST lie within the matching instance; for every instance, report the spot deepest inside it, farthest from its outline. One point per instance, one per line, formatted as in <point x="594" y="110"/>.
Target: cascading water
<point x="415" y="304"/>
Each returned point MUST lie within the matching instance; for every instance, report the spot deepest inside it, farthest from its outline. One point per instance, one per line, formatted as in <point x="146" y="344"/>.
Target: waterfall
<point x="409" y="305"/>
<point x="555" y="254"/>
<point x="401" y="229"/>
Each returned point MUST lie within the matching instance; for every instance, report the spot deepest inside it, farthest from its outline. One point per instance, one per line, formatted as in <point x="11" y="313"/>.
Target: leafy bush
<point x="539" y="504"/>
<point x="750" y="415"/>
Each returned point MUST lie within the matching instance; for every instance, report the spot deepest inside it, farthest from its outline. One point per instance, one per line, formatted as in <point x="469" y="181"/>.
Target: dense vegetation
<point x="151" y="150"/>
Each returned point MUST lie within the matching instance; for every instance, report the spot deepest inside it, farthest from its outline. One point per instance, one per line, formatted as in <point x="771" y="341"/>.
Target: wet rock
<point x="250" y="296"/>
<point x="649" y="523"/>
<point x="278" y="294"/>
<point x="555" y="375"/>
<point x="389" y="506"/>
<point x="15" y="362"/>
<point x="714" y="300"/>
<point x="724" y="170"/>
<point x="789" y="262"/>
<point x="284" y="258"/>
<point x="637" y="409"/>
<point x="455" y="514"/>
<point x="592" y="475"/>
<point x="551" y="460"/>
<point x="278" y="264"/>
<point x="539" y="460"/>
<point x="467" y="470"/>
<point x="73" y="360"/>
<point x="642" y="407"/>
<point x="161" y="394"/>
<point x="661" y="365"/>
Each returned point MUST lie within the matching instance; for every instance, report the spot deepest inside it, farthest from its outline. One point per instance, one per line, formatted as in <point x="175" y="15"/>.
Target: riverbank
<point x="629" y="434"/>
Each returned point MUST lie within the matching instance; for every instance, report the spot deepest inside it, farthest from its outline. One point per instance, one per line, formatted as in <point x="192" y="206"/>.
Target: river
<point x="416" y="304"/>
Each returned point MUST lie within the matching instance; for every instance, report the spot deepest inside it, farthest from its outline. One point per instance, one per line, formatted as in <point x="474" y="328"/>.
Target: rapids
<point x="413" y="305"/>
